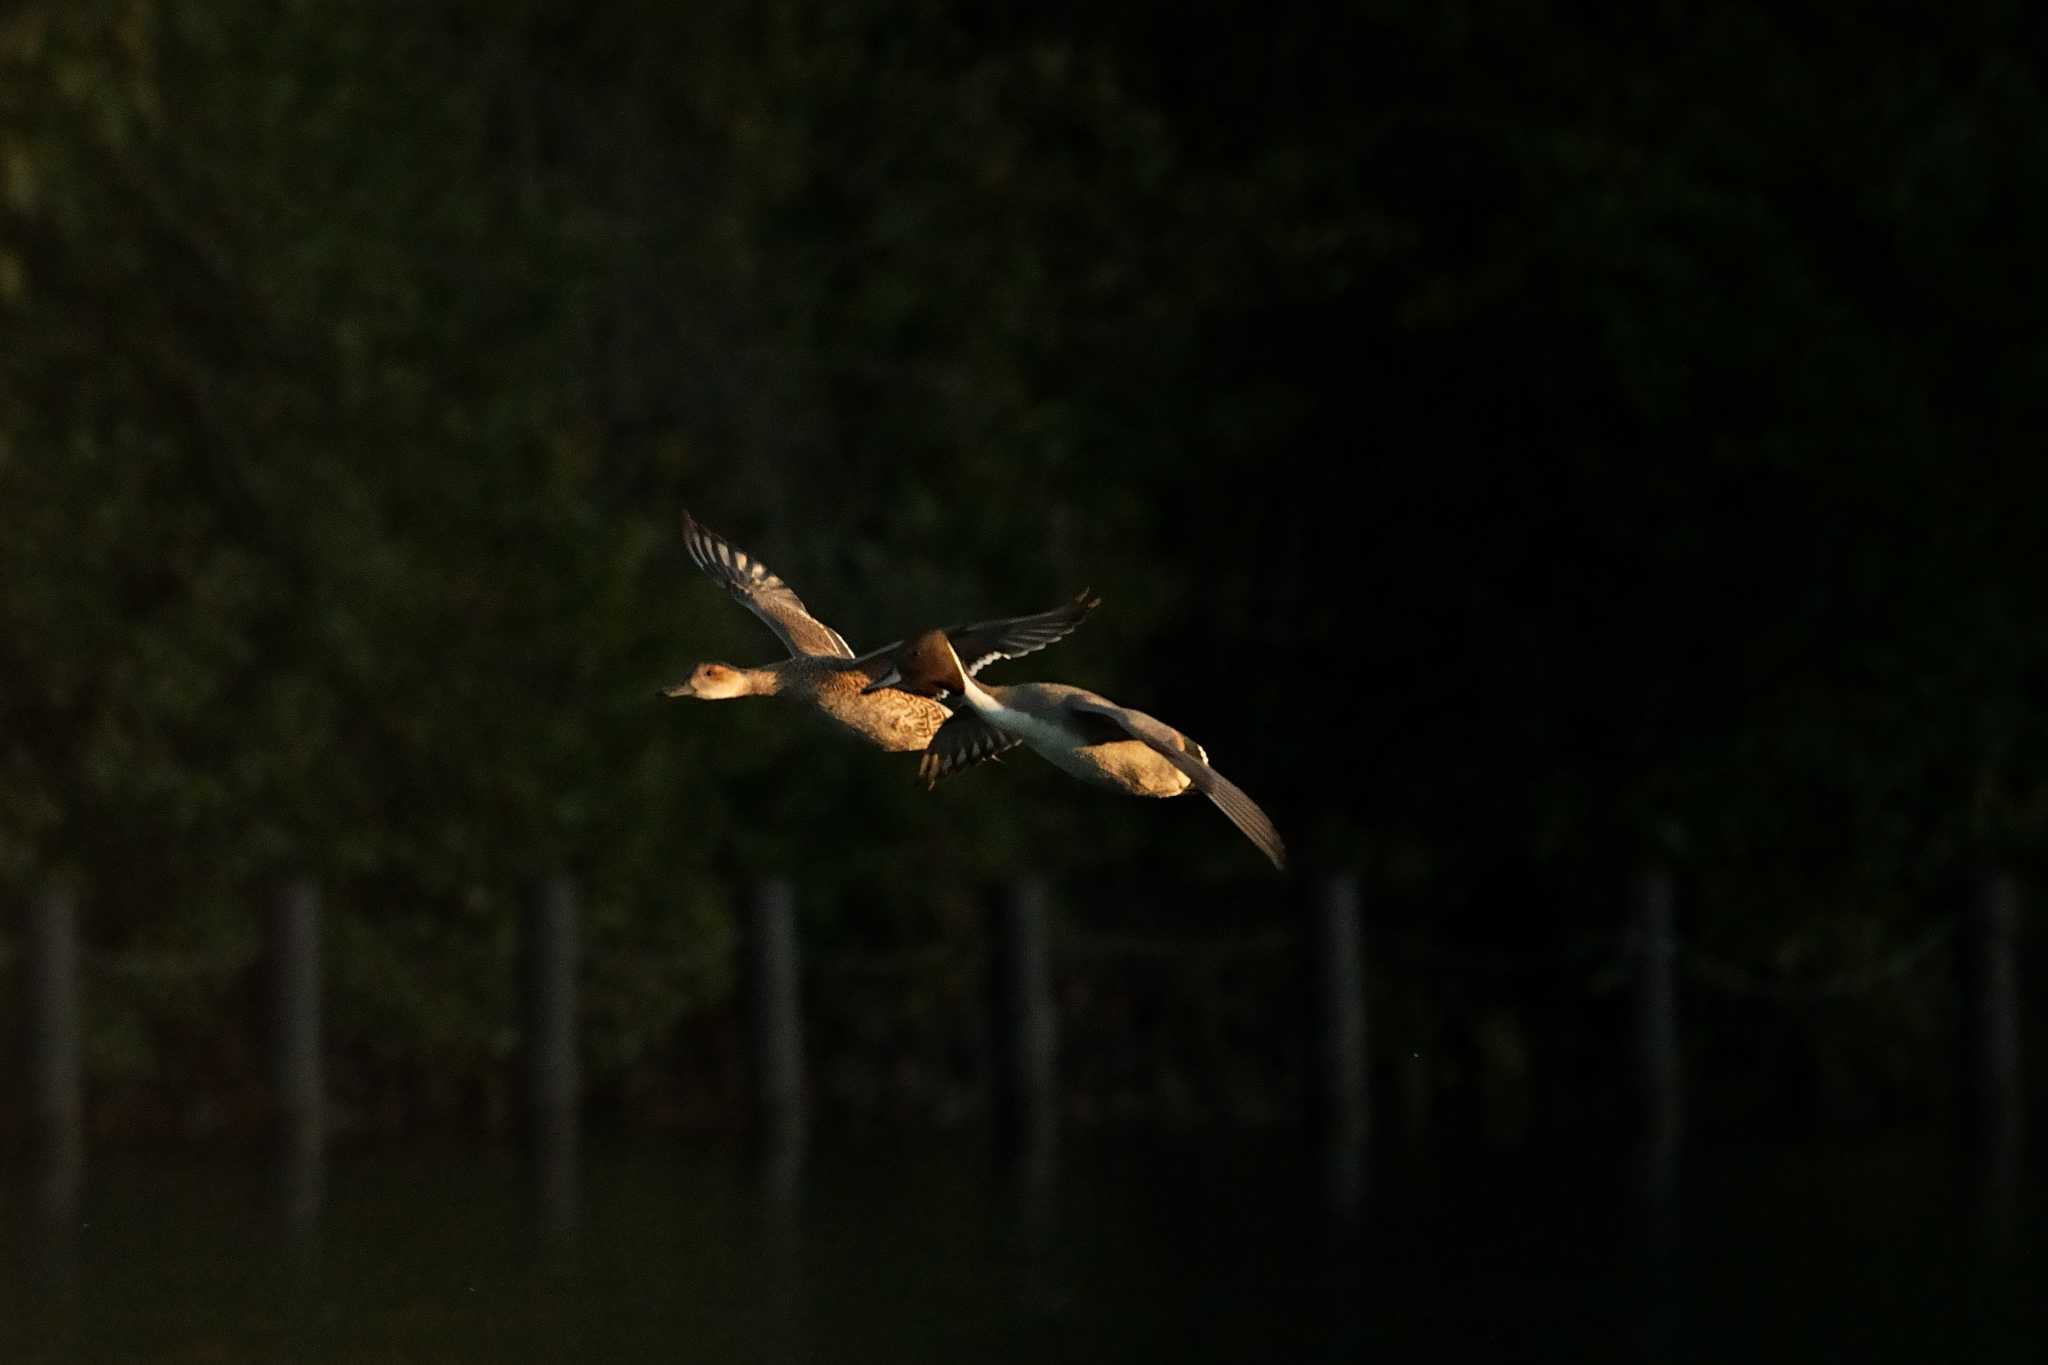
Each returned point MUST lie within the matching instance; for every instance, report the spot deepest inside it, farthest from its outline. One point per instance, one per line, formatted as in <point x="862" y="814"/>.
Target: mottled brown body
<point x="894" y="720"/>
<point x="822" y="671"/>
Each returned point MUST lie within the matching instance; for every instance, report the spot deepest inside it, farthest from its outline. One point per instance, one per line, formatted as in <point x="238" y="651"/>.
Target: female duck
<point x="822" y="670"/>
<point x="1084" y="735"/>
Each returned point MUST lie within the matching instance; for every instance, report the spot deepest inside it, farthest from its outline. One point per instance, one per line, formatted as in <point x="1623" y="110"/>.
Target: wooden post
<point x="1343" y="1087"/>
<point x="1659" y="1058"/>
<point x="297" y="1085"/>
<point x="1991" y="976"/>
<point x="554" y="1081"/>
<point x="775" y="998"/>
<point x="1026" y="1031"/>
<point x="53" y="1044"/>
<point x="1994" y="949"/>
<point x="55" y="1050"/>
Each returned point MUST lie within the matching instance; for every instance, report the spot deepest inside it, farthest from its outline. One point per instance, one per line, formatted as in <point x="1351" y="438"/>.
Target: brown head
<point x="924" y="665"/>
<point x="713" y="682"/>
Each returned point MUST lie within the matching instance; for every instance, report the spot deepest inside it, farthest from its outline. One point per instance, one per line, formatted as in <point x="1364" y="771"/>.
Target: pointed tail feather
<point x="1246" y="815"/>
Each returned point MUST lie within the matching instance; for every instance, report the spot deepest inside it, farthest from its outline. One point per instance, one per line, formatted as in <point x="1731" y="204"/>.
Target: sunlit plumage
<point x="1084" y="735"/>
<point x="822" y="670"/>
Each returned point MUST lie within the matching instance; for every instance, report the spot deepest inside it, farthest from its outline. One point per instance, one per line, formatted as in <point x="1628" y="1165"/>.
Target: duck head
<point x="924" y="665"/>
<point x="713" y="682"/>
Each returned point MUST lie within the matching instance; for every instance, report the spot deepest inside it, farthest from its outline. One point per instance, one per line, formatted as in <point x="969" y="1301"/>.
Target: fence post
<point x="55" y="1050"/>
<point x="553" y="1072"/>
<point x="1343" y="1091"/>
<point x="1026" y="1030"/>
<point x="296" y="1060"/>
<point x="1992" y="977"/>
<point x="774" y="980"/>
<point x="1659" y="1056"/>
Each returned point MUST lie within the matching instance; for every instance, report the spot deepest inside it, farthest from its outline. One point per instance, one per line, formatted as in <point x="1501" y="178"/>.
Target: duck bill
<point x="681" y="689"/>
<point x="891" y="677"/>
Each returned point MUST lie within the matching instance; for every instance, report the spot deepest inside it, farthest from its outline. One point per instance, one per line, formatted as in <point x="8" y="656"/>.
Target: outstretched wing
<point x="959" y="744"/>
<point x="982" y="643"/>
<point x="1228" y="796"/>
<point x="761" y="592"/>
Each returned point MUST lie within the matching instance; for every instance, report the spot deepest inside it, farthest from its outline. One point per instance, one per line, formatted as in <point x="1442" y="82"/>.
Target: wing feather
<point x="960" y="744"/>
<point x="983" y="642"/>
<point x="762" y="592"/>
<point x="1228" y="796"/>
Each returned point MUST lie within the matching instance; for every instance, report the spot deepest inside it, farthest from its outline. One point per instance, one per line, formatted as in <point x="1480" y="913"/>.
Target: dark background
<point x="1518" y="446"/>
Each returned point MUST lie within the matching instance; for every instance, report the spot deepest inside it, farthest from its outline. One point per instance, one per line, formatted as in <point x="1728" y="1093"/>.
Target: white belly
<point x="1041" y="734"/>
<point x="1126" y="765"/>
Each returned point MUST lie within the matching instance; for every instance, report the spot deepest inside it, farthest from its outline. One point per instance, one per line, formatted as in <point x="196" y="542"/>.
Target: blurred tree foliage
<point x="1507" y="442"/>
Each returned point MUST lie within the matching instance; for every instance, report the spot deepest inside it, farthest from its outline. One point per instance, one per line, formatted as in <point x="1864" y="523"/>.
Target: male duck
<point x="823" y="671"/>
<point x="1082" y="734"/>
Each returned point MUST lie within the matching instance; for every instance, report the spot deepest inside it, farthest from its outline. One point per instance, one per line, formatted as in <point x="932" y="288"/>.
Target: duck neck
<point x="977" y="696"/>
<point x="760" y="682"/>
